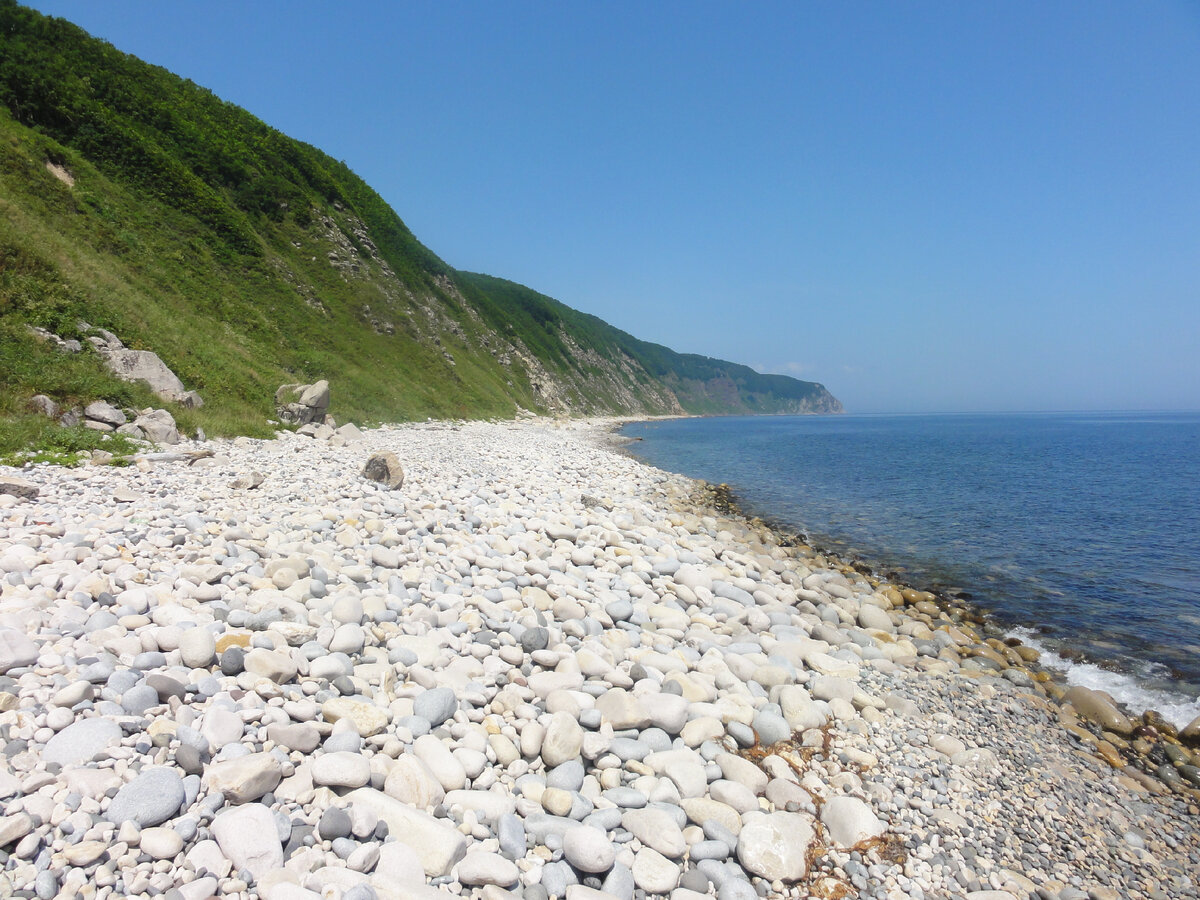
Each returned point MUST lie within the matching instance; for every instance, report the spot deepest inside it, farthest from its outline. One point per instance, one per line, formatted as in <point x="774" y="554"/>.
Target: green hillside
<point x="141" y="203"/>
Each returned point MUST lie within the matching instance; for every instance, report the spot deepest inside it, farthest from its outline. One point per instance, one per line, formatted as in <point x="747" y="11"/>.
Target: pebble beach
<point x="536" y="668"/>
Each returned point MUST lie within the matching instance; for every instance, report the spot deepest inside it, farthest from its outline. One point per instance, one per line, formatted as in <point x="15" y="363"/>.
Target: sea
<point x="1078" y="533"/>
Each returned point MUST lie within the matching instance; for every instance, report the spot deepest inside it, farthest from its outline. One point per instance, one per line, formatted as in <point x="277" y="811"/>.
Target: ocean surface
<point x="1078" y="532"/>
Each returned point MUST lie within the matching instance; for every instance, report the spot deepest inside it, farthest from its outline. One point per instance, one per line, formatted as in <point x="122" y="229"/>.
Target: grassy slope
<point x="246" y="259"/>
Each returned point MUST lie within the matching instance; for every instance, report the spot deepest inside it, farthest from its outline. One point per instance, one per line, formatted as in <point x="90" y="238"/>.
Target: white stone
<point x="656" y="828"/>
<point x="197" y="647"/>
<point x="160" y="842"/>
<point x="248" y="837"/>
<point x="438" y="844"/>
<point x="411" y="781"/>
<point x="588" y="849"/>
<point x="849" y="821"/>
<point x="341" y="769"/>
<point x="448" y="771"/>
<point x="479" y="868"/>
<point x="563" y="740"/>
<point x="244" y="778"/>
<point x="654" y="873"/>
<point x="775" y="846"/>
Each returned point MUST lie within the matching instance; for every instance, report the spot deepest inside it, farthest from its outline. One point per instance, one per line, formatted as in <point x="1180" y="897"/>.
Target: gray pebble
<point x="45" y="885"/>
<point x="511" y="833"/>
<point x="138" y="699"/>
<point x="335" y="823"/>
<point x="436" y="706"/>
<point x="534" y="639"/>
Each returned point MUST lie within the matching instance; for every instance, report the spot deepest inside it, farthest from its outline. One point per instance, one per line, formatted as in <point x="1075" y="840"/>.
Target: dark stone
<point x="335" y="823"/>
<point x="233" y="661"/>
<point x="534" y="639"/>
<point x="187" y="758"/>
<point x="166" y="686"/>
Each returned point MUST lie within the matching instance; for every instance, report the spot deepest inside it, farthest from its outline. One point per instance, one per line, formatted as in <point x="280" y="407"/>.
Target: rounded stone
<point x="161" y="843"/>
<point x="480" y="868"/>
<point x="849" y="821"/>
<point x="654" y="873"/>
<point x="588" y="850"/>
<point x="151" y="798"/>
<point x="341" y="769"/>
<point x="775" y="846"/>
<point x="436" y="706"/>
<point x="334" y="823"/>
<point x="198" y="648"/>
<point x="563" y="740"/>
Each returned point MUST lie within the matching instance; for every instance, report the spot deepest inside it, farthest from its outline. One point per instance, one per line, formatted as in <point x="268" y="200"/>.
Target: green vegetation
<point x="141" y="203"/>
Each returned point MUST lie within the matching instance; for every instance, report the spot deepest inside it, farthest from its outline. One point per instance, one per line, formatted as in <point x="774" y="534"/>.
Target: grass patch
<point x="31" y="439"/>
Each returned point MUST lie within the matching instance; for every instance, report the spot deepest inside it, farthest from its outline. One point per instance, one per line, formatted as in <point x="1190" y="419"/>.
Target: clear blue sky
<point x="925" y="206"/>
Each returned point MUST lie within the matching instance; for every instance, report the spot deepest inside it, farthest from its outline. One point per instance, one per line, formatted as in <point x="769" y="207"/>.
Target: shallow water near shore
<point x="1080" y="532"/>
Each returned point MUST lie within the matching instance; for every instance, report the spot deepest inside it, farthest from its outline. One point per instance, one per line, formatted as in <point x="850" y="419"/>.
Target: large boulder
<point x="138" y="365"/>
<point x="147" y="367"/>
<point x="1098" y="707"/>
<point x="299" y="404"/>
<point x="158" y="425"/>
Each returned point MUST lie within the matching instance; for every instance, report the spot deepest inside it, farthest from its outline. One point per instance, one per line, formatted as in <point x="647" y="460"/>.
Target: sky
<point x="927" y="207"/>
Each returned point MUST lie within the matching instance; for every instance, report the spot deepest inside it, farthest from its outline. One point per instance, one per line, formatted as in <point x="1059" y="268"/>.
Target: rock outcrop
<point x="140" y="365"/>
<point x="300" y="404"/>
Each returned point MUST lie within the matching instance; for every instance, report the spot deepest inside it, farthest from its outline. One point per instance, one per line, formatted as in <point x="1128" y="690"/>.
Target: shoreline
<point x="533" y="636"/>
<point x="1070" y="665"/>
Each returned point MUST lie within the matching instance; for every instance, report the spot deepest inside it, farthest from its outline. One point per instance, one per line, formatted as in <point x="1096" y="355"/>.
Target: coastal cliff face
<point x="145" y="205"/>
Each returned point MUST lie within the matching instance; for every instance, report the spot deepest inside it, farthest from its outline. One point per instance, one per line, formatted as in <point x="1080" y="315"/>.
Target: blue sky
<point x="924" y="206"/>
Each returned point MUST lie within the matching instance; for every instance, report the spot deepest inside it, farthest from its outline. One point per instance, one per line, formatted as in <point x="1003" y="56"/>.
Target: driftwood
<point x="189" y="456"/>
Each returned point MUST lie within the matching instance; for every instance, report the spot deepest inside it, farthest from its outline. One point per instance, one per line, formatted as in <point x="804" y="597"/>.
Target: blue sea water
<point x="1079" y="532"/>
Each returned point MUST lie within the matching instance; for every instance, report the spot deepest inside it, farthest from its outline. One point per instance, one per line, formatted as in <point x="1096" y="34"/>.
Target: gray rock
<point x="334" y="823"/>
<point x="708" y="850"/>
<point x="81" y="740"/>
<point x="511" y="833"/>
<point x="158" y="426"/>
<point x="619" y="882"/>
<point x="45" y="885"/>
<point x="300" y="404"/>
<point x="771" y="728"/>
<point x="18" y="487"/>
<point x="436" y="706"/>
<point x="534" y="639"/>
<point x="568" y="776"/>
<point x="144" y="366"/>
<point x="151" y="798"/>
<point x="105" y="413"/>
<point x="557" y="877"/>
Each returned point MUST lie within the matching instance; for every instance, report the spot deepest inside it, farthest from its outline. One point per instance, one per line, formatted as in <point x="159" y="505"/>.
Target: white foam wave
<point x="1177" y="708"/>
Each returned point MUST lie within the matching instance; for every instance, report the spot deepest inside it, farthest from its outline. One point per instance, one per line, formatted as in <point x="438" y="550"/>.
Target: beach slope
<point x="533" y="667"/>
